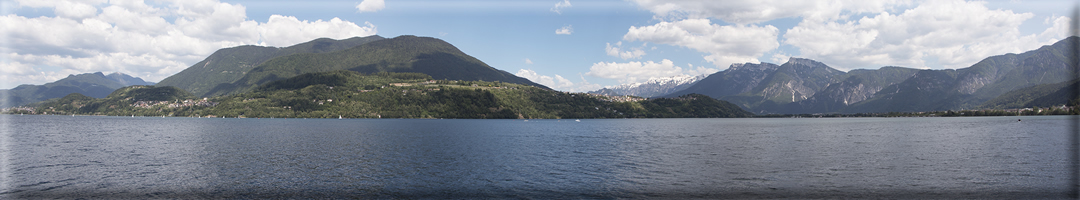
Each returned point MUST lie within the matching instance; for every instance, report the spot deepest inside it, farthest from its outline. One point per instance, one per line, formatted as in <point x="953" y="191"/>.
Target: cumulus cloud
<point x="954" y="33"/>
<point x="527" y="61"/>
<point x="755" y="11"/>
<point x="724" y="44"/>
<point x="370" y="6"/>
<point x="558" y="82"/>
<point x="633" y="72"/>
<point x="560" y="5"/>
<point x="287" y="30"/>
<point x="615" y="51"/>
<point x="534" y="77"/>
<point x="135" y="38"/>
<point x="565" y="30"/>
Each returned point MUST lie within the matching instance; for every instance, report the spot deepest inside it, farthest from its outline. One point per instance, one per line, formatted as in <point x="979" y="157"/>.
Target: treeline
<point x="350" y="94"/>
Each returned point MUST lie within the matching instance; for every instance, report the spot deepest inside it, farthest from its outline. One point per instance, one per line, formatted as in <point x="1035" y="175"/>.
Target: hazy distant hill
<point x="96" y="85"/>
<point x="806" y="86"/>
<point x="230" y="64"/>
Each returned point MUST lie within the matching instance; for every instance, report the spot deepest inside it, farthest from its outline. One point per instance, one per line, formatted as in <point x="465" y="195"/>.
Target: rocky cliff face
<point x="807" y="86"/>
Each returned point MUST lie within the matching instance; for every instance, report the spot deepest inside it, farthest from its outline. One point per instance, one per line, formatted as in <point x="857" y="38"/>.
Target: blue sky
<point x="569" y="45"/>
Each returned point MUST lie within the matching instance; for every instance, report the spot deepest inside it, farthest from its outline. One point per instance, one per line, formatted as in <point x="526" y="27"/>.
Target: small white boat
<point x="577" y="120"/>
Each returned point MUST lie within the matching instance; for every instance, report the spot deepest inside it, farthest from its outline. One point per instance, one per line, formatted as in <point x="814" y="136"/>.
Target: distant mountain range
<point x="97" y="85"/>
<point x="652" y="88"/>
<point x="807" y="86"/>
<point x="1041" y="77"/>
<point x="241" y="69"/>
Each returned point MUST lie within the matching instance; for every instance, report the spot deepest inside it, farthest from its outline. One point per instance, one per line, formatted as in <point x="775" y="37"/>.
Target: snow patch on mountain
<point x="653" y="87"/>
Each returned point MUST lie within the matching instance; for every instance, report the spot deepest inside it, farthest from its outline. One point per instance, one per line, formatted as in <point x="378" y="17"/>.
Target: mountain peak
<point x="806" y="62"/>
<point x="751" y="66"/>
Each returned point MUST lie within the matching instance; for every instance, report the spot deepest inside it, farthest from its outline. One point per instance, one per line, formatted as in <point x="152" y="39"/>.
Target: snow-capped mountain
<point x="653" y="87"/>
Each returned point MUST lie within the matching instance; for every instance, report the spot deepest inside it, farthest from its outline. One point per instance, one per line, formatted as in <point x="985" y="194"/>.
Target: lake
<point x="147" y="157"/>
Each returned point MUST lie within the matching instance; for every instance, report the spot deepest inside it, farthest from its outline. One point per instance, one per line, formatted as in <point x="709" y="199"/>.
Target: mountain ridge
<point x="230" y="64"/>
<point x="806" y="86"/>
<point x="406" y="53"/>
<point x="97" y="85"/>
<point x="652" y="88"/>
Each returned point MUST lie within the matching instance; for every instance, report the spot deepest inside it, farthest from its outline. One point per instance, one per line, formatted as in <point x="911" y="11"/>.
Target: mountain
<point x="425" y="55"/>
<point x="654" y="87"/>
<point x="968" y="88"/>
<point x="344" y="93"/>
<point x="857" y="85"/>
<point x="807" y="86"/>
<point x="1042" y="95"/>
<point x="240" y="69"/>
<point x="127" y="80"/>
<point x="96" y="85"/>
<point x="230" y="64"/>
<point x="766" y="85"/>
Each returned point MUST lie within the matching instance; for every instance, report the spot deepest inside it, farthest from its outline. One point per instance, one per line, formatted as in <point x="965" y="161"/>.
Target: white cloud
<point x="534" y="77"/>
<point x="615" y="51"/>
<point x="527" y="61"/>
<point x="633" y="72"/>
<point x="560" y="5"/>
<point x="284" y="31"/>
<point x="694" y="71"/>
<point x="75" y="10"/>
<point x="780" y="58"/>
<point x="565" y="30"/>
<point x="1058" y="30"/>
<point x="134" y="38"/>
<point x="558" y="82"/>
<point x="954" y="33"/>
<point x="370" y="6"/>
<point x="725" y="44"/>
<point x="755" y="11"/>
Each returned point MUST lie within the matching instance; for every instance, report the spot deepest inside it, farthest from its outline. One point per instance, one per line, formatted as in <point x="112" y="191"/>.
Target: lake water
<point x="146" y="157"/>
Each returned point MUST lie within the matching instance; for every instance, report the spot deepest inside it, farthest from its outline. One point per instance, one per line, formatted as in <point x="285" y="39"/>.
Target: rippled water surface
<point x="123" y="157"/>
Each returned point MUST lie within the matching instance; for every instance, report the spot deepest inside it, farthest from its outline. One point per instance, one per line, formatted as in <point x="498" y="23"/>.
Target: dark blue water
<point x="123" y="157"/>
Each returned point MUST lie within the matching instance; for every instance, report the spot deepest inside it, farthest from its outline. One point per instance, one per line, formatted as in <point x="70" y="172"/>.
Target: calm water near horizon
<point x="147" y="157"/>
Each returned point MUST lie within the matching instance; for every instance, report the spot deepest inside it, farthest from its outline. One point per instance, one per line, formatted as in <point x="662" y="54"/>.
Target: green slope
<point x="230" y="64"/>
<point x="1042" y="95"/>
<point x="424" y="55"/>
<point x="389" y="95"/>
<point x="118" y="102"/>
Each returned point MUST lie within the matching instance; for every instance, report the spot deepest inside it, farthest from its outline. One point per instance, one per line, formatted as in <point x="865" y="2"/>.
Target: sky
<point x="568" y="45"/>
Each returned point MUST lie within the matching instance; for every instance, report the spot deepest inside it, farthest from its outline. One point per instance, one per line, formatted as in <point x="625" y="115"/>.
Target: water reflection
<point x="117" y="157"/>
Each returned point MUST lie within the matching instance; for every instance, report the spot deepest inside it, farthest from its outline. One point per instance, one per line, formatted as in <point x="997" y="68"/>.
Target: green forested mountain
<point x="96" y="85"/>
<point x="230" y="64"/>
<point x="385" y="95"/>
<point x="426" y="55"/>
<point x="1042" y="95"/>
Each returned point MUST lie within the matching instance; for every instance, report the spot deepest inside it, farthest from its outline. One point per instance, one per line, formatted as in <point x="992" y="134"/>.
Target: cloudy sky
<point x="569" y="45"/>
